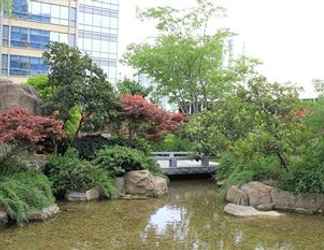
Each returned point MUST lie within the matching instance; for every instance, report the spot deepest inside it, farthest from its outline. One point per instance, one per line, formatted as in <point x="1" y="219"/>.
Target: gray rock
<point x="266" y="207"/>
<point x="302" y="203"/>
<point x="237" y="196"/>
<point x="3" y="217"/>
<point x="44" y="214"/>
<point x="160" y="186"/>
<point x="245" y="211"/>
<point x="22" y="95"/>
<point x="142" y="182"/>
<point x="120" y="187"/>
<point x="258" y="193"/>
<point x="92" y="194"/>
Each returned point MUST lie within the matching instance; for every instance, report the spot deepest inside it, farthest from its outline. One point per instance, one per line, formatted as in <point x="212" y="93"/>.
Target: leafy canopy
<point x="78" y="82"/>
<point x="188" y="64"/>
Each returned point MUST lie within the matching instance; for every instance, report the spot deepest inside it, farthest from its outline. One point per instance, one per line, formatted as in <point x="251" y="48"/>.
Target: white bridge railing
<point x="174" y="157"/>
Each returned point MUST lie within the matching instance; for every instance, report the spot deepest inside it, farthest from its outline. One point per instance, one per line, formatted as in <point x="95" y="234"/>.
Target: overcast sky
<point x="286" y="35"/>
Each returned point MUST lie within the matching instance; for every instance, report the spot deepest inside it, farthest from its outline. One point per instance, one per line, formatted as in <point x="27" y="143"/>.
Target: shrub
<point x="119" y="160"/>
<point x="307" y="174"/>
<point x="12" y="159"/>
<point x="19" y="125"/>
<point x="24" y="192"/>
<point x="68" y="173"/>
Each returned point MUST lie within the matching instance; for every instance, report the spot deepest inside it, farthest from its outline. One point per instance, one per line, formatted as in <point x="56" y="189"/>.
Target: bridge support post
<point x="205" y="161"/>
<point x="172" y="161"/>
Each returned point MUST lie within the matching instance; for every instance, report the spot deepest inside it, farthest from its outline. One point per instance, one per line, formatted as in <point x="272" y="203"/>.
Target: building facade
<point x="92" y="25"/>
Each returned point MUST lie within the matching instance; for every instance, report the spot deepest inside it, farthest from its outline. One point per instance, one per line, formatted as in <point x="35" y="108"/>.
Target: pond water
<point x="191" y="217"/>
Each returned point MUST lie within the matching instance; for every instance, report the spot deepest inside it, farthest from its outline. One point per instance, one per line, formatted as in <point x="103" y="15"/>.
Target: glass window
<point x="39" y="39"/>
<point x="19" y="37"/>
<point x="4" y="67"/>
<point x="43" y="12"/>
<point x="5" y="36"/>
<point x="24" y="65"/>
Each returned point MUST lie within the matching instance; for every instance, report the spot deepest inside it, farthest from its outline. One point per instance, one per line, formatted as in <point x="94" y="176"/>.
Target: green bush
<point x="13" y="159"/>
<point x="307" y="174"/>
<point x="24" y="192"/>
<point x="119" y="160"/>
<point x="68" y="173"/>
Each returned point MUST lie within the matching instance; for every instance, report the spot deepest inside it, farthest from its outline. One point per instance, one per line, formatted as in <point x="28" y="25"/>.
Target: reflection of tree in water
<point x="193" y="219"/>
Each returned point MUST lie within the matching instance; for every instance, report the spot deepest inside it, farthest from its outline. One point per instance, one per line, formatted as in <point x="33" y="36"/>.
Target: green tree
<point x="259" y="117"/>
<point x="187" y="63"/>
<point x="78" y="82"/>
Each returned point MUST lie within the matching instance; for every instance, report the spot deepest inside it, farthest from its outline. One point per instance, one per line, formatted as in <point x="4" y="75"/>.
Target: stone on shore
<point x="92" y="194"/>
<point x="264" y="197"/>
<point x="44" y="214"/>
<point x="3" y="217"/>
<point x="245" y="211"/>
<point x="236" y="196"/>
<point x="142" y="182"/>
<point x="300" y="203"/>
<point x="258" y="194"/>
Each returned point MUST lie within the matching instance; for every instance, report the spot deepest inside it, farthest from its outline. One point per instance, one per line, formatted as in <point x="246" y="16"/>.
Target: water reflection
<point x="168" y="218"/>
<point x="191" y="217"/>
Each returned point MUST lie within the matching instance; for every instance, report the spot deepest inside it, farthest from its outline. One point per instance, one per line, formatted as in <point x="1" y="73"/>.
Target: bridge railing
<point x="174" y="157"/>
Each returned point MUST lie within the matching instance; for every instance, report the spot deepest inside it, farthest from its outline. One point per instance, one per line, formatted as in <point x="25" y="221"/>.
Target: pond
<point x="191" y="217"/>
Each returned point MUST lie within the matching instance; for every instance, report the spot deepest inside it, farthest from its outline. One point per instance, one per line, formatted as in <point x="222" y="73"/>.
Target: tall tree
<point x="187" y="63"/>
<point x="78" y="82"/>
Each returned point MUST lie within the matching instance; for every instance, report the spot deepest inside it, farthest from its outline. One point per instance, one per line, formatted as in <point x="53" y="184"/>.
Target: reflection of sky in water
<point x="168" y="220"/>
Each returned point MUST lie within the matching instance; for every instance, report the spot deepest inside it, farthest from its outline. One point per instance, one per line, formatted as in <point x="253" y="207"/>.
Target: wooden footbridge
<point x="184" y="163"/>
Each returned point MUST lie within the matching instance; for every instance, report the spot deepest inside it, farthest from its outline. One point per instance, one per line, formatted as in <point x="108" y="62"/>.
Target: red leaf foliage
<point x="157" y="121"/>
<point x="17" y="124"/>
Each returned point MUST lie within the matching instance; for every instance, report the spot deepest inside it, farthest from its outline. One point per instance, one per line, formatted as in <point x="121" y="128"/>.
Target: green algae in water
<point x="191" y="217"/>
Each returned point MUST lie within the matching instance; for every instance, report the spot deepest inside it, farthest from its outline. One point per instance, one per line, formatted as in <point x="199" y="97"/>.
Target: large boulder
<point x="12" y="95"/>
<point x="143" y="183"/>
<point x="301" y="203"/>
<point x="258" y="193"/>
<point x="236" y="196"/>
<point x="245" y="211"/>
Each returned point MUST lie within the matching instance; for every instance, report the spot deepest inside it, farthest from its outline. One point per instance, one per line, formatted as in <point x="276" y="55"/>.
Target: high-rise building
<point x="92" y="25"/>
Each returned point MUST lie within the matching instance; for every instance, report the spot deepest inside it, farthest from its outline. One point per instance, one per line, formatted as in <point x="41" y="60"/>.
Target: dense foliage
<point x="78" y="82"/>
<point x="257" y="132"/>
<point x="19" y="125"/>
<point x="68" y="173"/>
<point x="147" y="119"/>
<point x="24" y="192"/>
<point x="119" y="160"/>
<point x="88" y="146"/>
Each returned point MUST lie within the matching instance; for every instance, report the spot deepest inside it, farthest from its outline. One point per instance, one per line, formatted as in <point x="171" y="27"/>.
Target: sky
<point x="286" y="35"/>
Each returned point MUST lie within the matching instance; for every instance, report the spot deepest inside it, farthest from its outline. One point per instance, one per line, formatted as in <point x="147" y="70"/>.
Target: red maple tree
<point x="145" y="117"/>
<point x="19" y="125"/>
